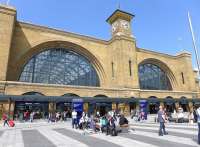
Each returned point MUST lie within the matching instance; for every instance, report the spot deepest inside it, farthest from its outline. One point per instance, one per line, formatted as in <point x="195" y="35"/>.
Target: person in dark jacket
<point x="110" y="125"/>
<point x="5" y="119"/>
<point x="123" y="122"/>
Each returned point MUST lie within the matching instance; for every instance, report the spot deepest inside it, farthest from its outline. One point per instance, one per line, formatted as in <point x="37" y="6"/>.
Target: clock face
<point x="125" y="24"/>
<point x="114" y="26"/>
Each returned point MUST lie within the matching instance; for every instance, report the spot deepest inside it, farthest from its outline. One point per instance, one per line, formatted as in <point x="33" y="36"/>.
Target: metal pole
<point x="7" y="2"/>
<point x="194" y="43"/>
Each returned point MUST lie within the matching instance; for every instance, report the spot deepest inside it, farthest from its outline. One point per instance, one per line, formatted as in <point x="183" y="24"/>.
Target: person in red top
<point x="5" y="118"/>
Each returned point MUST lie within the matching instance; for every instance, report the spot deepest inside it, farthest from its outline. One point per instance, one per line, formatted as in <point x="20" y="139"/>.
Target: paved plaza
<point x="42" y="134"/>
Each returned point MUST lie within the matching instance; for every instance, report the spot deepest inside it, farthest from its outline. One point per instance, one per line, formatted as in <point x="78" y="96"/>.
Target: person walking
<point x="74" y="119"/>
<point x="198" y="121"/>
<point x="162" y="120"/>
<point x="32" y="116"/>
<point x="50" y="117"/>
<point x="5" y="119"/>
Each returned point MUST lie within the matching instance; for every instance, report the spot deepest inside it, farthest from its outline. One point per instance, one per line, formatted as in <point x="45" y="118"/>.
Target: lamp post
<point x="194" y="43"/>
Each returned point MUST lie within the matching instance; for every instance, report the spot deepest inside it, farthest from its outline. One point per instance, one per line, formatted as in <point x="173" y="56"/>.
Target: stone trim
<point x="162" y="54"/>
<point x="59" y="32"/>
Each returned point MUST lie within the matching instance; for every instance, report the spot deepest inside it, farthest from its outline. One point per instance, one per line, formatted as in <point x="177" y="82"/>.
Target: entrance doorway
<point x="63" y="106"/>
<point x="40" y="110"/>
<point x="153" y="108"/>
<point x="153" y="105"/>
<point x="132" y="106"/>
<point x="103" y="108"/>
<point x="170" y="108"/>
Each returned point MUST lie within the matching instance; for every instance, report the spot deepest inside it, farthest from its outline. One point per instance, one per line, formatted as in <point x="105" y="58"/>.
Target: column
<point x="52" y="106"/>
<point x="114" y="106"/>
<point x="162" y="104"/>
<point x="190" y="104"/>
<point x="176" y="105"/>
<point x="12" y="107"/>
<point x="127" y="109"/>
<point x="85" y="107"/>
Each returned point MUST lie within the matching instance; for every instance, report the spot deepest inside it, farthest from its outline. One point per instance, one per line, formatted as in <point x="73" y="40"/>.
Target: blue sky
<point x="159" y="25"/>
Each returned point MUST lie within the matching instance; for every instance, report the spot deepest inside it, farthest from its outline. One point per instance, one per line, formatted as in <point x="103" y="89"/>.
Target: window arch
<point x="33" y="93"/>
<point x="71" y="95"/>
<point x="100" y="95"/>
<point x="60" y="66"/>
<point x="152" y="77"/>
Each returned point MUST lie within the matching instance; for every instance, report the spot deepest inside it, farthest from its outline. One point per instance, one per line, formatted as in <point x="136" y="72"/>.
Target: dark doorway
<point x="40" y="109"/>
<point x="153" y="108"/>
<point x="103" y="108"/>
<point x="63" y="106"/>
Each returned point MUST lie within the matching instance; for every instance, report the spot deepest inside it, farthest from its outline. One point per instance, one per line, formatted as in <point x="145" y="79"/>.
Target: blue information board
<point x="77" y="105"/>
<point x="143" y="107"/>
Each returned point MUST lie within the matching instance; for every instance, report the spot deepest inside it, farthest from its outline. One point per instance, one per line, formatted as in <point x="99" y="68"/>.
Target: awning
<point x="196" y="101"/>
<point x="104" y="104"/>
<point x="169" y="101"/>
<point x="57" y="99"/>
<point x="183" y="101"/>
<point x="153" y="100"/>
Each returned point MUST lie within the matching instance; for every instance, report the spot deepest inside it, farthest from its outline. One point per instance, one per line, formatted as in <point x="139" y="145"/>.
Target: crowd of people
<point x="110" y="124"/>
<point x="138" y="115"/>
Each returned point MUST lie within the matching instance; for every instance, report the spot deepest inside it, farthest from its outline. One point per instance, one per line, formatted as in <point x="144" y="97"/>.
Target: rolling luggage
<point x="11" y="123"/>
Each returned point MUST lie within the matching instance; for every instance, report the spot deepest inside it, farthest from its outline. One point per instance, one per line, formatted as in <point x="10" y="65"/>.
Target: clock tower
<point x="120" y="22"/>
<point x="123" y="59"/>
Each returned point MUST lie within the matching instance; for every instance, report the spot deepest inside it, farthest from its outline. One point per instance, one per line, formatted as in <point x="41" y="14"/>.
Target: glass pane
<point x="60" y="66"/>
<point x="153" y="78"/>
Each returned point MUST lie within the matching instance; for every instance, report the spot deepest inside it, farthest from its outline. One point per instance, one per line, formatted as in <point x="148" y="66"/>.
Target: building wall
<point x="24" y="40"/>
<point x="7" y="24"/>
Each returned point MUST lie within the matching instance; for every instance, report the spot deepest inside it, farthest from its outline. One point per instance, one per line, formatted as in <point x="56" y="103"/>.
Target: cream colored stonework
<point x="20" y="41"/>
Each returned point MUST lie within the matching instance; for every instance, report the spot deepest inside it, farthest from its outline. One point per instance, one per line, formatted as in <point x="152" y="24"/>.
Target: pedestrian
<point x="74" y="119"/>
<point x="195" y="114"/>
<point x="49" y="117"/>
<point x="32" y="116"/>
<point x="64" y="115"/>
<point x="191" y="117"/>
<point x="162" y="120"/>
<point x="5" y="119"/>
<point x="57" y="116"/>
<point x="111" y="128"/>
<point x="198" y="121"/>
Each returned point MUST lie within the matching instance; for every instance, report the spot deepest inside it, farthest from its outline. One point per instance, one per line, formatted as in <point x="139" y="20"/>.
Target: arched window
<point x="33" y="93"/>
<point x="100" y="95"/>
<point x="60" y="66"/>
<point x="71" y="95"/>
<point x="153" y="77"/>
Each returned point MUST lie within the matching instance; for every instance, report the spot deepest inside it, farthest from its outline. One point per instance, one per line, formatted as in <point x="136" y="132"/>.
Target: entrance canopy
<point x="41" y="98"/>
<point x="153" y="100"/>
<point x="183" y="101"/>
<point x="169" y="100"/>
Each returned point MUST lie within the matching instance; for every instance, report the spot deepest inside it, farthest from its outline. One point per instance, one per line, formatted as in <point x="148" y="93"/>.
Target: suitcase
<point x="11" y="123"/>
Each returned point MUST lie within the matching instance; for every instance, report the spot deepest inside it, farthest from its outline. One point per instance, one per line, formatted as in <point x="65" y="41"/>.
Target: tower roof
<point x="120" y="14"/>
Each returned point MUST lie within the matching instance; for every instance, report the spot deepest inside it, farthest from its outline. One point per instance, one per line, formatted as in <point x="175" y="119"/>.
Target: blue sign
<point x="143" y="107"/>
<point x="77" y="105"/>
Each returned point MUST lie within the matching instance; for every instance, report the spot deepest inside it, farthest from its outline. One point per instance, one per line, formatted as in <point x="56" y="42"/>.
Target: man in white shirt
<point x="74" y="119"/>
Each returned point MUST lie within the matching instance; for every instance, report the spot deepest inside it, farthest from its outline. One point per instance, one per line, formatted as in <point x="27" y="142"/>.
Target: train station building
<point x="44" y="69"/>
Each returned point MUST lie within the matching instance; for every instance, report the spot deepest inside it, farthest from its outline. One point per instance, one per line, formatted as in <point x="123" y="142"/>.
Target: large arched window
<point x="60" y="66"/>
<point x="153" y="77"/>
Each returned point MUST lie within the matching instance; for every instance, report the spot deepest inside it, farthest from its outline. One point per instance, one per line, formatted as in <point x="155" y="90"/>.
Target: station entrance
<point x="23" y="109"/>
